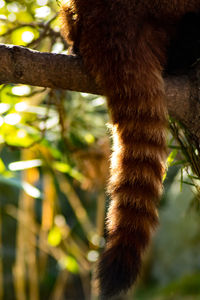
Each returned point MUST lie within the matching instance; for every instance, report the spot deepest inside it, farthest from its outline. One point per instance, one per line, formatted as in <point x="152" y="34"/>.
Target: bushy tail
<point x="126" y="60"/>
<point x="137" y="168"/>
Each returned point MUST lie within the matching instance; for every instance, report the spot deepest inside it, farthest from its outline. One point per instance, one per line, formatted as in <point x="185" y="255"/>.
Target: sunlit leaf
<point x="65" y="168"/>
<point x="2" y="3"/>
<point x="62" y="167"/>
<point x="89" y="138"/>
<point x="171" y="157"/>
<point x="42" y="12"/>
<point x="12" y="119"/>
<point x="24" y="16"/>
<point x="21" y="90"/>
<point x="19" y="137"/>
<point x="31" y="190"/>
<point x="18" y="35"/>
<point x="42" y="2"/>
<point x="2" y="166"/>
<point x="70" y="264"/>
<point x="4" y="107"/>
<point x="6" y="95"/>
<point x="22" y="165"/>
<point x="77" y="175"/>
<point x="54" y="236"/>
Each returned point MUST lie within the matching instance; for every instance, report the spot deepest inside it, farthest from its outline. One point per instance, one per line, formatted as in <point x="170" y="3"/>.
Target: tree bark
<point x="59" y="71"/>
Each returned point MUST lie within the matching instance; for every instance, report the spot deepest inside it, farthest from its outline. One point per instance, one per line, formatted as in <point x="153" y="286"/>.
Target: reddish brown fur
<point x="123" y="45"/>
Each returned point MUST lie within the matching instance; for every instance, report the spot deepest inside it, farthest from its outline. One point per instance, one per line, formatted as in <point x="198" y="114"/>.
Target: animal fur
<point x="123" y="44"/>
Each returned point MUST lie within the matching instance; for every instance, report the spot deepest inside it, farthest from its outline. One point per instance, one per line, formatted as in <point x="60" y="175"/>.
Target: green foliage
<point x="46" y="137"/>
<point x="53" y="169"/>
<point x="70" y="264"/>
<point x="54" y="236"/>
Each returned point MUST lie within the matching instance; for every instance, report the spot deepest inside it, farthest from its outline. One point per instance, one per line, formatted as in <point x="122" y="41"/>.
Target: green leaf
<point x="70" y="264"/>
<point x="174" y="147"/>
<point x="62" y="167"/>
<point x="25" y="164"/>
<point x="171" y="157"/>
<point x="66" y="168"/>
<point x="22" y="35"/>
<point x="2" y="166"/>
<point x="179" y="162"/>
<point x="54" y="236"/>
<point x="90" y="139"/>
<point x="188" y="183"/>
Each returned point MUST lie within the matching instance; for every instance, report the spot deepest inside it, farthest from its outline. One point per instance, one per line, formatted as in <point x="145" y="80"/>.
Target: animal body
<point x="124" y="46"/>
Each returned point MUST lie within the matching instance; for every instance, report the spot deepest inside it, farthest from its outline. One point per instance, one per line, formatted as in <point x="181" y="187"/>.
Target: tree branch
<point x="59" y="71"/>
<point x="22" y="65"/>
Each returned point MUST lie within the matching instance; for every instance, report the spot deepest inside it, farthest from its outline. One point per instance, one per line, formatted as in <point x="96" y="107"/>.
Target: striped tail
<point x="127" y="64"/>
<point x="137" y="168"/>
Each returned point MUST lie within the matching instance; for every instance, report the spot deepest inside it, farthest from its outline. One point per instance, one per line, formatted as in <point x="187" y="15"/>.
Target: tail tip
<point x="117" y="270"/>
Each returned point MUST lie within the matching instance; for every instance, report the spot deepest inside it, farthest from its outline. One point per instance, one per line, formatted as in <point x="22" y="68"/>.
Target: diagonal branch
<point x="22" y="65"/>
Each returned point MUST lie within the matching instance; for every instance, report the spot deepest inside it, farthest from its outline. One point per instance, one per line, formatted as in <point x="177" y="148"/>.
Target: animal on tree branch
<point x="126" y="45"/>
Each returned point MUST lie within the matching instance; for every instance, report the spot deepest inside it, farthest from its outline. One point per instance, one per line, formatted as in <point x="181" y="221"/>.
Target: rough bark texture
<point x="22" y="65"/>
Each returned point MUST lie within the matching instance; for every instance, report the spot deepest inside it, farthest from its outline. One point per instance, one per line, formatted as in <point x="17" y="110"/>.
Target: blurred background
<point x="54" y="165"/>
